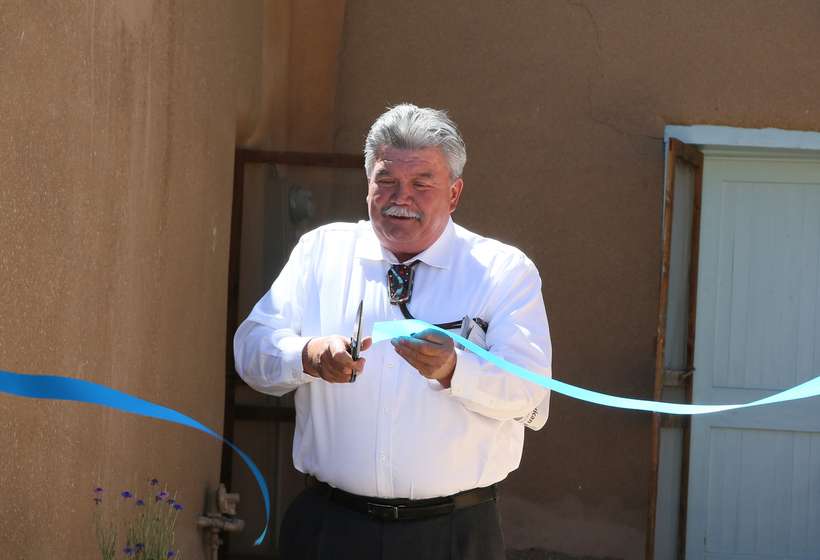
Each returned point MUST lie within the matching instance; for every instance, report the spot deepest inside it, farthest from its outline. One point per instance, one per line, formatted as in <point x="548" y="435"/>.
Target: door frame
<point x="709" y="138"/>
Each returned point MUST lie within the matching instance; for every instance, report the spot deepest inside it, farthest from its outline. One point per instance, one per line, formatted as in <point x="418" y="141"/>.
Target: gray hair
<point x="408" y="127"/>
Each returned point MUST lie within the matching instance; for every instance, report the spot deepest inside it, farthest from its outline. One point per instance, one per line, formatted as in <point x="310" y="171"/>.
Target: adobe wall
<point x="119" y="124"/>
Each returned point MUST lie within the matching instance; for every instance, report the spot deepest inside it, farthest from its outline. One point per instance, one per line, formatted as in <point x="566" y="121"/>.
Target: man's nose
<point x="402" y="193"/>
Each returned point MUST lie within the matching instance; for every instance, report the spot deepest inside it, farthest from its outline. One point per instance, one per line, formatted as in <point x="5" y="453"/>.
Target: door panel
<point x="754" y="484"/>
<point x="747" y="517"/>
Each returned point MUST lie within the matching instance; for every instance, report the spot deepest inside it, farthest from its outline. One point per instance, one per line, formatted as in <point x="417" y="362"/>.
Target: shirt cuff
<point x="464" y="384"/>
<point x="291" y="348"/>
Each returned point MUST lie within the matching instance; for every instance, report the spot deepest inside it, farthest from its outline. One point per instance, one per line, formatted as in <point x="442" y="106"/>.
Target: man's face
<point x="410" y="197"/>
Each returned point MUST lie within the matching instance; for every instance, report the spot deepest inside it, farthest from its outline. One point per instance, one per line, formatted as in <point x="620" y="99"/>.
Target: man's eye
<point x="385" y="183"/>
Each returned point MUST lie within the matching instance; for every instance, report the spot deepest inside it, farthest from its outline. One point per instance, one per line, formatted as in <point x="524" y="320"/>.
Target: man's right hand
<point x="329" y="357"/>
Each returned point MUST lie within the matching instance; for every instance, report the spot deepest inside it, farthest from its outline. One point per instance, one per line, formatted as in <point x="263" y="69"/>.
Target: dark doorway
<point x="277" y="196"/>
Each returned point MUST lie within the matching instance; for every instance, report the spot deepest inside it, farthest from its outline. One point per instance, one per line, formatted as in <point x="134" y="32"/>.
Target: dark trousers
<point x="316" y="528"/>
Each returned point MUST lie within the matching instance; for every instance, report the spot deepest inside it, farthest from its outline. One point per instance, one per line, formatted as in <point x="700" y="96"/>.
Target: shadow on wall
<point x="541" y="554"/>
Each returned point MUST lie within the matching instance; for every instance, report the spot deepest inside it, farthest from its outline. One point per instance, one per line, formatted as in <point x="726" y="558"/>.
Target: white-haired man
<point x="403" y="463"/>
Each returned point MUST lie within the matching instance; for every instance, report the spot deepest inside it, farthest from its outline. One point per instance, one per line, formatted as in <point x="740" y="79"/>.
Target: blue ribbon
<point x="67" y="389"/>
<point x="391" y="329"/>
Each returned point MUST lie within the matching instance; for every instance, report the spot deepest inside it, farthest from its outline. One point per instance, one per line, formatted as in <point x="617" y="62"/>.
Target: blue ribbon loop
<point x="67" y="389"/>
<point x="390" y="329"/>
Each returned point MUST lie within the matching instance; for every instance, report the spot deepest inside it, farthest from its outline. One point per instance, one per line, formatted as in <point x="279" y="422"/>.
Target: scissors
<point x="356" y="339"/>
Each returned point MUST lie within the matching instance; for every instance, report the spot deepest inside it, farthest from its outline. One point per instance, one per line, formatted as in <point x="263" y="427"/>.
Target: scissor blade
<point x="356" y="342"/>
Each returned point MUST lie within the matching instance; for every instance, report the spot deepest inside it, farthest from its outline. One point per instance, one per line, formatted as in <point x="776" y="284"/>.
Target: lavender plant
<point x="145" y="525"/>
<point x="105" y="529"/>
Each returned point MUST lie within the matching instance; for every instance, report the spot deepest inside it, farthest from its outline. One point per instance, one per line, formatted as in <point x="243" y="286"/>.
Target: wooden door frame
<point x="676" y="152"/>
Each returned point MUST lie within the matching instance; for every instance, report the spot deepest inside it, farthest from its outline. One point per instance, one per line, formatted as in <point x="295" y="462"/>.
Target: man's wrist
<point x="307" y="364"/>
<point x="447" y="380"/>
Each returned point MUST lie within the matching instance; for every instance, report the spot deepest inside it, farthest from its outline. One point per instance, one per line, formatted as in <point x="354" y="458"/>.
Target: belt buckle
<point x="383" y="511"/>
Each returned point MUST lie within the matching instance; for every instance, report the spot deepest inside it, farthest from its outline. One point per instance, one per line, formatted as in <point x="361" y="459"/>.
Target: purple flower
<point x="98" y="490"/>
<point x="154" y="482"/>
<point x="128" y="551"/>
<point x="140" y="503"/>
<point x="127" y="495"/>
<point x="170" y="554"/>
<point x="177" y="506"/>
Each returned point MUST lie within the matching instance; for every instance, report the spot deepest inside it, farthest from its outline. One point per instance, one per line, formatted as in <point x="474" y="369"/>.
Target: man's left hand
<point x="430" y="352"/>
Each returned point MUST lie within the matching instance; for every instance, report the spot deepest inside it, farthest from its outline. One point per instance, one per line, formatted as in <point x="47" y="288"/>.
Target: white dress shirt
<point x="394" y="433"/>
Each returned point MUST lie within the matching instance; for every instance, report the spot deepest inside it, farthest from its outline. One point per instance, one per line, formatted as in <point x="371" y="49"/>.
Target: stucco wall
<point x="118" y="126"/>
<point x="563" y="105"/>
<point x="119" y="121"/>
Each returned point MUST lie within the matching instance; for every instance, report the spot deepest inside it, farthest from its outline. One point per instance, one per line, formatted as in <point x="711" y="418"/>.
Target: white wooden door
<point x="754" y="476"/>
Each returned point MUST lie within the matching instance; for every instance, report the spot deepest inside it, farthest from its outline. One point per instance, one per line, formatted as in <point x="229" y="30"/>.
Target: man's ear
<point x="455" y="193"/>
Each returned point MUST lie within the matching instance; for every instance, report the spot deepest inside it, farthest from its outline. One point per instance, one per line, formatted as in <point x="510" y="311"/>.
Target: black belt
<point x="404" y="509"/>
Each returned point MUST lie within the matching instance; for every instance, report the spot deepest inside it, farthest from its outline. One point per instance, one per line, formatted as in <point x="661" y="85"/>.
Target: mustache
<point x="401" y="212"/>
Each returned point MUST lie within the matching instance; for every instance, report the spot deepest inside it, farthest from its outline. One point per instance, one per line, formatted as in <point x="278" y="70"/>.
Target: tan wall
<point x="563" y="106"/>
<point x="119" y="121"/>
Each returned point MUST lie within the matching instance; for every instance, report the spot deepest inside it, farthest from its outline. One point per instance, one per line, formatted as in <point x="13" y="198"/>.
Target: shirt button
<point x="384" y="458"/>
<point x="389" y="364"/>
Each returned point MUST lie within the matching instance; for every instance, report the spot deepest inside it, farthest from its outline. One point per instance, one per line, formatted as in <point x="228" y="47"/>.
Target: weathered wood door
<point x="754" y="476"/>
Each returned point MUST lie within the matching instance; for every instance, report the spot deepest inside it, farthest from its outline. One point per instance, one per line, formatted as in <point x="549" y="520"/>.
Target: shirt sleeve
<point x="268" y="344"/>
<point x="518" y="332"/>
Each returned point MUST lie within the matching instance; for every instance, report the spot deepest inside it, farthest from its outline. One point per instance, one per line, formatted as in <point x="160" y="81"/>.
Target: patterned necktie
<point x="400" y="282"/>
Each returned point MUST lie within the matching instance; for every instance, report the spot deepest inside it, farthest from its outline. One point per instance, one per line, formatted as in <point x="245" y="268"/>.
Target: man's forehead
<point x="389" y="157"/>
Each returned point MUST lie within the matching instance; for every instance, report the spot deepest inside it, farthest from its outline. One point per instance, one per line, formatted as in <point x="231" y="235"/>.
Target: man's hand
<point x="329" y="357"/>
<point x="431" y="353"/>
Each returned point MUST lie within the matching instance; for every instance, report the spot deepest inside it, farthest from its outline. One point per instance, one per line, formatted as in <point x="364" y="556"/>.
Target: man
<point x="404" y="460"/>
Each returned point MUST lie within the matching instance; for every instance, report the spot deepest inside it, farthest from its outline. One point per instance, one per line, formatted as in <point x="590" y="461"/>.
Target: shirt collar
<point x="439" y="254"/>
